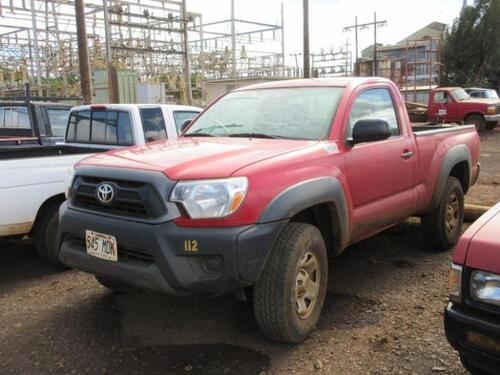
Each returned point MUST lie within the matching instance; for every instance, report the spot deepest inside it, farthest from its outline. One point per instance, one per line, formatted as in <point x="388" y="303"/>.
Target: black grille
<point x="132" y="198"/>
<point x="498" y="109"/>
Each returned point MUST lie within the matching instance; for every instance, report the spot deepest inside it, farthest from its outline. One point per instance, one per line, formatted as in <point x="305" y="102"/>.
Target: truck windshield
<point x="491" y="94"/>
<point x="460" y="94"/>
<point x="292" y="113"/>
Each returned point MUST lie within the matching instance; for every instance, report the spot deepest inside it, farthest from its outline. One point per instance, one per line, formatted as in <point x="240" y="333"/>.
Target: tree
<point x="471" y="52"/>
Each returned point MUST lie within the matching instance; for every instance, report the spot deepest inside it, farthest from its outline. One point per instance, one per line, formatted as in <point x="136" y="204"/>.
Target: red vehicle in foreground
<point x="472" y="317"/>
<point x="453" y="104"/>
<point x="261" y="189"/>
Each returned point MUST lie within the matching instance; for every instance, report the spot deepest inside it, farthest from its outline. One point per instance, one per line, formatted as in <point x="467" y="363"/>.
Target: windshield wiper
<point x="255" y="135"/>
<point x="198" y="135"/>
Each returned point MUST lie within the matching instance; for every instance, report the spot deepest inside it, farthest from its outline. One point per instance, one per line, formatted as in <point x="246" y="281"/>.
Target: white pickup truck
<point x="33" y="175"/>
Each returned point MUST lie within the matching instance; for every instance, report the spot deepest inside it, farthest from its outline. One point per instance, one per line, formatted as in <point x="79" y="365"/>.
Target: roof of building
<point x="420" y="38"/>
<point x="433" y="30"/>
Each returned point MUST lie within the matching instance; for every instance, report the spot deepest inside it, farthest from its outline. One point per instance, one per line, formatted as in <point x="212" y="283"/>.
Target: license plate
<point x="101" y="246"/>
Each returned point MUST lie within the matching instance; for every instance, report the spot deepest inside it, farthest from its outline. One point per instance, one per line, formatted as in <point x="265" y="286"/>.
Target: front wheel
<point x="491" y="125"/>
<point x="289" y="296"/>
<point x="443" y="226"/>
<point x="474" y="370"/>
<point x="46" y="237"/>
<point x="477" y="121"/>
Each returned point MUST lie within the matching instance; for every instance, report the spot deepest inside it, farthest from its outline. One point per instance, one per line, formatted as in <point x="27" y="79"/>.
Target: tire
<point x="443" y="226"/>
<point x="116" y="286"/>
<point x="491" y="125"/>
<point x="277" y="310"/>
<point x="46" y="237"/>
<point x="476" y="120"/>
<point x="471" y="368"/>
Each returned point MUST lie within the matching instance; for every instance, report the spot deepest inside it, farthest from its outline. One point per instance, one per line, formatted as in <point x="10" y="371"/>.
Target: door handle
<point x="406" y="154"/>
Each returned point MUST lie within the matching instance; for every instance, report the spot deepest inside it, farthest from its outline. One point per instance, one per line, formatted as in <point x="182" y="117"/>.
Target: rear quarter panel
<point x="432" y="150"/>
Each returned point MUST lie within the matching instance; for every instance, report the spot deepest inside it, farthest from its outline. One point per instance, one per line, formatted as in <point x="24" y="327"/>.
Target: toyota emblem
<point x="105" y="193"/>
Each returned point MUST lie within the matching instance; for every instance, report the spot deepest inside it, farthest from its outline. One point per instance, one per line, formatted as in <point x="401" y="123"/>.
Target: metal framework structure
<point x="332" y="64"/>
<point x="38" y="42"/>
<point x="238" y="48"/>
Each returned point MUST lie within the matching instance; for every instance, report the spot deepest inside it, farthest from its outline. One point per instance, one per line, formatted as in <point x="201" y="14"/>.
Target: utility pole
<point x="109" y="56"/>
<point x="283" y="38"/>
<point x="187" y="69"/>
<point x="35" y="48"/>
<point x="347" y="44"/>
<point x="306" y="52"/>
<point x="356" y="66"/>
<point x="83" y="56"/>
<point x="375" y="61"/>
<point x="357" y="26"/>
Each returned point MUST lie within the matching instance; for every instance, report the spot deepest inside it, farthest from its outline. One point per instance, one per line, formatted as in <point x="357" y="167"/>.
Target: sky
<point x="328" y="17"/>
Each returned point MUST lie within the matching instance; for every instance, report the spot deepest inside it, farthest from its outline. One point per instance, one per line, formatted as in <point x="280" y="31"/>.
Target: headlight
<point x="485" y="287"/>
<point x="205" y="199"/>
<point x="69" y="181"/>
<point x="455" y="283"/>
<point x="492" y="110"/>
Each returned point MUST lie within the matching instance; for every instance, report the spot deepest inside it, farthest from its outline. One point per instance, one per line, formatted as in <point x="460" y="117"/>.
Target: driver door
<point x="380" y="174"/>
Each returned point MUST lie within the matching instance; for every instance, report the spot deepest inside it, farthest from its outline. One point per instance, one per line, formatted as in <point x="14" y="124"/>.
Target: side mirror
<point x="370" y="131"/>
<point x="185" y="125"/>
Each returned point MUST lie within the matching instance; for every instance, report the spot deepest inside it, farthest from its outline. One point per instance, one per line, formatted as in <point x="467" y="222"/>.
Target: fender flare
<point x="456" y="154"/>
<point x="309" y="193"/>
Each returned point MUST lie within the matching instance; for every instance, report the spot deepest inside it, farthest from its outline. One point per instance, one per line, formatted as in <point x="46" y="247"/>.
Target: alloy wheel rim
<point x="307" y="283"/>
<point x="452" y="213"/>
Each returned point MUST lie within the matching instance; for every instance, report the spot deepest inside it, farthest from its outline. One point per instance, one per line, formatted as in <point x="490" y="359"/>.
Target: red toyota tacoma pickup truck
<point x="472" y="317"/>
<point x="262" y="188"/>
<point x="453" y="104"/>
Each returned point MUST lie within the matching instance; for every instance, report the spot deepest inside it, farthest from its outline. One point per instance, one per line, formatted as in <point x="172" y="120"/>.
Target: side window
<point x="153" y="124"/>
<point x="2" y="117"/>
<point x="373" y="104"/>
<point x="58" y="118"/>
<point x="180" y="117"/>
<point x="441" y="97"/>
<point x="71" y="132"/>
<point x="124" y="129"/>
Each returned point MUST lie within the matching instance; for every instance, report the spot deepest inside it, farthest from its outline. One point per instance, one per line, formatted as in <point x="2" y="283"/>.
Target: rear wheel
<point x="491" y="125"/>
<point x="477" y="121"/>
<point x="116" y="286"/>
<point x="471" y="368"/>
<point x="289" y="296"/>
<point x="443" y="226"/>
<point x="46" y="237"/>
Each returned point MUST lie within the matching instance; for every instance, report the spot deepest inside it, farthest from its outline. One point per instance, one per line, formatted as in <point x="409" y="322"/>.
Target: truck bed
<point x="423" y="129"/>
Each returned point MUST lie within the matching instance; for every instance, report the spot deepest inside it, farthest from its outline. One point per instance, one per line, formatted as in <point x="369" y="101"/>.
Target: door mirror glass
<point x="185" y="125"/>
<point x="370" y="131"/>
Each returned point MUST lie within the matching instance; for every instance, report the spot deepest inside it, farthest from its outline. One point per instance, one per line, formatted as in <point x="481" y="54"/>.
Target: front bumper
<point x="155" y="256"/>
<point x="492" y="118"/>
<point x="475" y="335"/>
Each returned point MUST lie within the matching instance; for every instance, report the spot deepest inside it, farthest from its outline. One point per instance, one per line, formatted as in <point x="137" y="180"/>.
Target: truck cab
<point x="453" y="104"/>
<point x="44" y="123"/>
<point x="118" y="125"/>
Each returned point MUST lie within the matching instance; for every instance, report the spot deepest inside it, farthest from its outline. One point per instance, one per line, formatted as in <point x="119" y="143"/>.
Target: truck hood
<point x="484" y="247"/>
<point x="484" y="101"/>
<point x="197" y="158"/>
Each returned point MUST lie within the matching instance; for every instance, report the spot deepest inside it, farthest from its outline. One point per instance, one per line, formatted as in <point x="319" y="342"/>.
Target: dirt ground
<point x="383" y="315"/>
